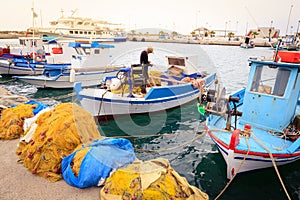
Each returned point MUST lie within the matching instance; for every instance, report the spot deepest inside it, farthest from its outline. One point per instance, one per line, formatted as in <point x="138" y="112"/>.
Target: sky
<point x="182" y="16"/>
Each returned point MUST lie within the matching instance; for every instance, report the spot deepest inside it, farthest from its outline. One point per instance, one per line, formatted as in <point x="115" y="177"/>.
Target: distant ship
<point x="82" y="28"/>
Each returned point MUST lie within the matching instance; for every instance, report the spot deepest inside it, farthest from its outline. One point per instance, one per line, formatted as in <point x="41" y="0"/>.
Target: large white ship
<point x="73" y="27"/>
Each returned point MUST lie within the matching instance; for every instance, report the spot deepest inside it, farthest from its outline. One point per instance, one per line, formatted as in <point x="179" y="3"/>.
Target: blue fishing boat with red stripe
<point x="258" y="126"/>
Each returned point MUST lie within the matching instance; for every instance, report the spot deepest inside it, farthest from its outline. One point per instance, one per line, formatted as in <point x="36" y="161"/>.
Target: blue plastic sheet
<point x="40" y="106"/>
<point x="104" y="156"/>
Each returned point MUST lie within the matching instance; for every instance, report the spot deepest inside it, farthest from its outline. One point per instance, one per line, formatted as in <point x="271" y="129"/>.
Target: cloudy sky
<point x="179" y="15"/>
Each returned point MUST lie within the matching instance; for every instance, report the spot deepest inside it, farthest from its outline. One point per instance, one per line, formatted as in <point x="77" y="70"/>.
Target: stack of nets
<point x="11" y="122"/>
<point x="153" y="179"/>
<point x="58" y="132"/>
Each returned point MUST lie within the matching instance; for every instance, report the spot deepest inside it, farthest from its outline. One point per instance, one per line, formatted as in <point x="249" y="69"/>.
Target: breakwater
<point x="259" y="42"/>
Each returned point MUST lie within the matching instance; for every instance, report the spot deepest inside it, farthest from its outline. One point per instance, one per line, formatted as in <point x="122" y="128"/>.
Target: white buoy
<point x="72" y="76"/>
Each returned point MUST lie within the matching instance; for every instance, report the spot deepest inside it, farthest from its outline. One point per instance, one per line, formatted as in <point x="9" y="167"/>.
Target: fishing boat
<point x="258" y="126"/>
<point x="248" y="43"/>
<point x="289" y="43"/>
<point x="30" y="56"/>
<point x="88" y="65"/>
<point x="144" y="89"/>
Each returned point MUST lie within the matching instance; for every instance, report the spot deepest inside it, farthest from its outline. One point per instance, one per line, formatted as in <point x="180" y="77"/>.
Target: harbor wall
<point x="236" y="41"/>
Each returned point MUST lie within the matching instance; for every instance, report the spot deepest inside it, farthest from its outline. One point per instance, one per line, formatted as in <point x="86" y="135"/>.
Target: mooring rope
<point x="274" y="164"/>
<point x="177" y="147"/>
<point x="101" y="103"/>
<point x="167" y="135"/>
<point x="3" y="82"/>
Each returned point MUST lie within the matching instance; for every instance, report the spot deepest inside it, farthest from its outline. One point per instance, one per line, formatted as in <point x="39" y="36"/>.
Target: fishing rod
<point x="258" y="25"/>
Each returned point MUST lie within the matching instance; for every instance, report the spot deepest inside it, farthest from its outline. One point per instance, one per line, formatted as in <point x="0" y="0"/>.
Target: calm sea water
<point x="199" y="161"/>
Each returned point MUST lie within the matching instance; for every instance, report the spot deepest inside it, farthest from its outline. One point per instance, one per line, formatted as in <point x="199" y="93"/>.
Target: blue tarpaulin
<point x="104" y="156"/>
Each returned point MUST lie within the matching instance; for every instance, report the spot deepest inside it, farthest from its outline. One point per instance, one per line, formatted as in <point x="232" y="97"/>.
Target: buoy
<point x="72" y="75"/>
<point x="235" y="140"/>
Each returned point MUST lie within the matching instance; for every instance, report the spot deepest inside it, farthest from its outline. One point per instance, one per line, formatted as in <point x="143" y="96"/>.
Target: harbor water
<point x="178" y="134"/>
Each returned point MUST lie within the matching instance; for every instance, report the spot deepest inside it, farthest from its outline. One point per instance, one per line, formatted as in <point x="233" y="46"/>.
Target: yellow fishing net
<point x="58" y="132"/>
<point x="154" y="78"/>
<point x="149" y="180"/>
<point x="77" y="160"/>
<point x="11" y="122"/>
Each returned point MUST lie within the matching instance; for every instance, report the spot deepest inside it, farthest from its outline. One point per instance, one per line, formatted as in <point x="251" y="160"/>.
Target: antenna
<point x="287" y="26"/>
<point x="62" y="13"/>
<point x="73" y="12"/>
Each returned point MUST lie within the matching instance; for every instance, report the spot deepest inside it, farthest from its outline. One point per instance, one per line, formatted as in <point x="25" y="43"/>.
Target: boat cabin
<point x="98" y="54"/>
<point x="272" y="94"/>
<point x="181" y="66"/>
<point x="31" y="42"/>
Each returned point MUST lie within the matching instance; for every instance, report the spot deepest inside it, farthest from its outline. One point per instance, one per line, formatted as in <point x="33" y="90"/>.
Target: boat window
<point x="97" y="51"/>
<point x="176" y="61"/>
<point x="270" y="80"/>
<point x="76" y="32"/>
<point x="80" y="51"/>
<point x="71" y="32"/>
<point x="22" y="42"/>
<point x="87" y="51"/>
<point x="81" y="32"/>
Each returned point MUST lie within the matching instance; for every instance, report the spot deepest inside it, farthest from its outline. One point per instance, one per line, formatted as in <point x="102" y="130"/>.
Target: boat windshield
<point x="270" y="80"/>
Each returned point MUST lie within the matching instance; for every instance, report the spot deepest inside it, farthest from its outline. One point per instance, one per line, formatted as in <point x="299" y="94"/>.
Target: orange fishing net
<point x="11" y="122"/>
<point x="58" y="132"/>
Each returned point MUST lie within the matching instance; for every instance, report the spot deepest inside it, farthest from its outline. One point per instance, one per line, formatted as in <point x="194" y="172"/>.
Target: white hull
<point x="7" y="68"/>
<point x="235" y="163"/>
<point x="115" y="104"/>
<point x="63" y="82"/>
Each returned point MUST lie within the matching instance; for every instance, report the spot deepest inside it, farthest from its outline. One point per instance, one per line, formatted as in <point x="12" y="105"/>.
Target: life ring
<point x="38" y="58"/>
<point x="33" y="55"/>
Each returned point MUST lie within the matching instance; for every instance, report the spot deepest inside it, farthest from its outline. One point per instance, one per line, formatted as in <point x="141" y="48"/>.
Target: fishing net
<point x="11" y="122"/>
<point x="57" y="133"/>
<point x="7" y="99"/>
<point x="154" y="78"/>
<point x="153" y="179"/>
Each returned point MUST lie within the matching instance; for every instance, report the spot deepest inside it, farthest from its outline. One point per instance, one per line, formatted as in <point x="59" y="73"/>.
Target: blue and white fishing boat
<point x="258" y="126"/>
<point x="31" y="55"/>
<point x="88" y="65"/>
<point x="143" y="89"/>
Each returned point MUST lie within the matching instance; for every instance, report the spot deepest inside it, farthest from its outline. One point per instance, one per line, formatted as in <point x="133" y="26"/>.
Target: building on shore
<point x="264" y="32"/>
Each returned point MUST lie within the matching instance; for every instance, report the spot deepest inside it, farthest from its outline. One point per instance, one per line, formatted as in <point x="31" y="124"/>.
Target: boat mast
<point x="287" y="26"/>
<point x="32" y="9"/>
<point x="34" y="15"/>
